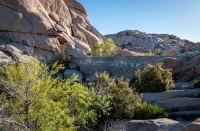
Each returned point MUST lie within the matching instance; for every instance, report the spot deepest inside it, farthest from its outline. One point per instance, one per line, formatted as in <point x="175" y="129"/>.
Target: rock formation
<point x="137" y="41"/>
<point x="39" y="27"/>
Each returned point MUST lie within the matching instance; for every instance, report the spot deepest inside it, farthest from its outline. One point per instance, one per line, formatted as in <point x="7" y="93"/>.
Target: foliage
<point x="124" y="100"/>
<point x="103" y="49"/>
<point x="196" y="83"/>
<point x="147" y="54"/>
<point x="153" y="79"/>
<point x="62" y="56"/>
<point x="28" y="99"/>
<point x="33" y="100"/>
<point x="148" y="111"/>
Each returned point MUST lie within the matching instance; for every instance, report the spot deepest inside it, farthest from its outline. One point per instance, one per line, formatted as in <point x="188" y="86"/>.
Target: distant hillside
<point x="137" y="41"/>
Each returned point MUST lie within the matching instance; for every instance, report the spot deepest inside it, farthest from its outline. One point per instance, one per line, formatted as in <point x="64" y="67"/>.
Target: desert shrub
<point x="62" y="57"/>
<point x="196" y="83"/>
<point x="148" y="111"/>
<point x="34" y="100"/>
<point x="105" y="49"/>
<point x="147" y="54"/>
<point x="124" y="100"/>
<point x="154" y="79"/>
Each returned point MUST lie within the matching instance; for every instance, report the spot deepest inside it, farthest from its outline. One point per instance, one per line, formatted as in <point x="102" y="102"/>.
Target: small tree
<point x="124" y="99"/>
<point x="28" y="99"/>
<point x="154" y="79"/>
<point x="34" y="100"/>
<point x="103" y="49"/>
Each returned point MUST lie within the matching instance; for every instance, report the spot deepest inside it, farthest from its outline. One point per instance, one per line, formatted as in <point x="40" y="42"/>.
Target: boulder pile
<point x="160" y="44"/>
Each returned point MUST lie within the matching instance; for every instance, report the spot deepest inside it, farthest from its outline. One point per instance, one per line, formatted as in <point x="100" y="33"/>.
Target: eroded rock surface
<point x="39" y="27"/>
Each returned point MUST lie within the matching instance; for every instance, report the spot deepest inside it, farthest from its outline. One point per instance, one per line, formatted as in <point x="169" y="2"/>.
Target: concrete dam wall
<point x="115" y="66"/>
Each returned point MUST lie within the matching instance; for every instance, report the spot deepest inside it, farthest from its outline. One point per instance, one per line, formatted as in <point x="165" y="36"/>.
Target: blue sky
<point x="178" y="17"/>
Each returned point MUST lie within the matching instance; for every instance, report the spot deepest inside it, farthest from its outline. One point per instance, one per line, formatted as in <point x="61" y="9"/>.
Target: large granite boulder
<point x="167" y="95"/>
<point x="39" y="27"/>
<point x="162" y="124"/>
<point x="170" y="53"/>
<point x="173" y="63"/>
<point x="194" y="126"/>
<point x="179" y="104"/>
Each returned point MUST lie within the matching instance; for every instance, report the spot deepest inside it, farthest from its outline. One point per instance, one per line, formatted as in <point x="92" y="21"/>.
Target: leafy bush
<point x="62" y="57"/>
<point x="33" y="100"/>
<point x="148" y="111"/>
<point x="124" y="100"/>
<point x="153" y="79"/>
<point x="103" y="49"/>
<point x="196" y="83"/>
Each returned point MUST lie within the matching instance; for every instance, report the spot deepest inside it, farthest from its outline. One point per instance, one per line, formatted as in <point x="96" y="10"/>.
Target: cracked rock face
<point x="40" y="27"/>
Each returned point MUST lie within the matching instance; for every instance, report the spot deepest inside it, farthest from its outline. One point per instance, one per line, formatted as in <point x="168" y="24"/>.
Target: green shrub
<point x="33" y="100"/>
<point x="124" y="100"/>
<point x="148" y="111"/>
<point x="62" y="57"/>
<point x="153" y="79"/>
<point x="147" y="54"/>
<point x="196" y="83"/>
<point x="105" y="49"/>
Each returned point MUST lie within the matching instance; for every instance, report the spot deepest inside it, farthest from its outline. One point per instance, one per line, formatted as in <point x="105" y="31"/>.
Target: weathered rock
<point x="179" y="104"/>
<point x="162" y="124"/>
<point x="76" y="5"/>
<point x="4" y="58"/>
<point x="191" y="114"/>
<point x="191" y="69"/>
<point x="184" y="86"/>
<point x="162" y="96"/>
<point x="121" y="52"/>
<point x="133" y="39"/>
<point x="73" y="52"/>
<point x="173" y="63"/>
<point x="45" y="24"/>
<point x="170" y="53"/>
<point x="70" y="73"/>
<point x="194" y="126"/>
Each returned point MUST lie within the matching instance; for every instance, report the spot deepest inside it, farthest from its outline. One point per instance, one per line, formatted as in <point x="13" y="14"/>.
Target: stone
<point x="76" y="5"/>
<point x="70" y="73"/>
<point x="177" y="66"/>
<point x="54" y="17"/>
<point x="184" y="86"/>
<point x="167" y="47"/>
<point x="121" y="52"/>
<point x="91" y="78"/>
<point x="161" y="124"/>
<point x="167" y="95"/>
<point x="194" y="126"/>
<point x="4" y="58"/>
<point x="170" y="53"/>
<point x="45" y="24"/>
<point x="82" y="46"/>
<point x="132" y="39"/>
<point x="188" y="55"/>
<point x="179" y="104"/>
<point x="73" y="52"/>
<point x="190" y="114"/>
